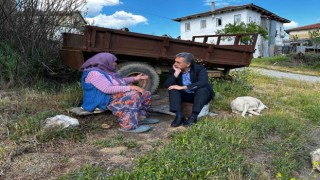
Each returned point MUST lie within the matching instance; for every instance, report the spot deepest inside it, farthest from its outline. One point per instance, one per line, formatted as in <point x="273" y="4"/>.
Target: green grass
<point x="309" y="65"/>
<point x="225" y="91"/>
<point x="275" y="145"/>
<point x="226" y="149"/>
<point x="25" y="111"/>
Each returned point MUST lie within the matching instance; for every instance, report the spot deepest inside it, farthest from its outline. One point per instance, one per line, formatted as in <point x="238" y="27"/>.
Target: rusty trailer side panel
<point x="154" y="49"/>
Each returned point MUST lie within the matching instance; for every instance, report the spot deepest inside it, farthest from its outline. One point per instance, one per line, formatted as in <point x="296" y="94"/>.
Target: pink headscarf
<point x="104" y="62"/>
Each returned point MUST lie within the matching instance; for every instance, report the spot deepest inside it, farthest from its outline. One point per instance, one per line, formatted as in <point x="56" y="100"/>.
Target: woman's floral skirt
<point x="129" y="106"/>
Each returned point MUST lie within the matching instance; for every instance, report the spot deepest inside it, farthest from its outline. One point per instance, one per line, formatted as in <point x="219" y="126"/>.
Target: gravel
<point x="285" y="75"/>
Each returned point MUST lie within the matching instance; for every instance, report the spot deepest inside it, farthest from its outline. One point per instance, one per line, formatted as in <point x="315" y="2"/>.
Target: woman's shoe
<point x="149" y="121"/>
<point x="139" y="129"/>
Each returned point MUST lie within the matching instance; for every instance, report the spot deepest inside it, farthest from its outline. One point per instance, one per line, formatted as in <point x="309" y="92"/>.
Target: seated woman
<point x="104" y="88"/>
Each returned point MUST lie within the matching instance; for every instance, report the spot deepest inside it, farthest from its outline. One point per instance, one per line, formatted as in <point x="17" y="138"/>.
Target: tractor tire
<point x="134" y="68"/>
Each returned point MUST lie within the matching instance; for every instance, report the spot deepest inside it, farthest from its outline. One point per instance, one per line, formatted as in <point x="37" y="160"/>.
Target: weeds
<point x="306" y="64"/>
<point x="24" y="112"/>
<point x="227" y="90"/>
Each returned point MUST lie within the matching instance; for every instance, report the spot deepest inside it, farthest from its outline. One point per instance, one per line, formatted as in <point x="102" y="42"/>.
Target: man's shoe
<point x="192" y="120"/>
<point x="177" y="121"/>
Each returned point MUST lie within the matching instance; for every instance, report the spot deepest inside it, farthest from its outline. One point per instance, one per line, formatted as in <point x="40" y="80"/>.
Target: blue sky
<point x="155" y="16"/>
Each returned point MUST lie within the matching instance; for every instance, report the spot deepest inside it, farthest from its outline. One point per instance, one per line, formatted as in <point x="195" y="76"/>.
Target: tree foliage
<point x="315" y="37"/>
<point x="32" y="27"/>
<point x="243" y="28"/>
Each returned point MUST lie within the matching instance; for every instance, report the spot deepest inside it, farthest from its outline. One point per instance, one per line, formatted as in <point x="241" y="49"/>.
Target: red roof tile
<point x="308" y="27"/>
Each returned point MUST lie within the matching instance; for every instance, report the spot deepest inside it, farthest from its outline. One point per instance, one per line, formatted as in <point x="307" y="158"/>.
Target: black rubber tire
<point x="134" y="68"/>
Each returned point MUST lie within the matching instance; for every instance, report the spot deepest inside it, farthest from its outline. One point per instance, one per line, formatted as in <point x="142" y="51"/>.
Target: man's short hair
<point x="188" y="57"/>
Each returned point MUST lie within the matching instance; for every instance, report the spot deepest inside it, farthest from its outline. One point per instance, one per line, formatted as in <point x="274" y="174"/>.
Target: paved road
<point x="286" y="75"/>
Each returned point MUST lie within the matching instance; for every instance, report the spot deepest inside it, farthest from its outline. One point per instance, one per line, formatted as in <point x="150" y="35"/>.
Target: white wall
<point x="246" y="17"/>
<point x="280" y="31"/>
<point x="212" y="26"/>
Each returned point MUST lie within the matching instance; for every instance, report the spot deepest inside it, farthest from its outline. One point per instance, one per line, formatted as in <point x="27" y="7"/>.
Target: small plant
<point x="227" y="90"/>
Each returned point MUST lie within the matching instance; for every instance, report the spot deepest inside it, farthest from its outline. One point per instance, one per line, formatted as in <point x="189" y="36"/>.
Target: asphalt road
<point x="285" y="75"/>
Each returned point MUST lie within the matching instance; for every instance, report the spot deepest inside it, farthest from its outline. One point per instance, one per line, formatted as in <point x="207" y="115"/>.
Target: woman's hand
<point x="137" y="88"/>
<point x="141" y="76"/>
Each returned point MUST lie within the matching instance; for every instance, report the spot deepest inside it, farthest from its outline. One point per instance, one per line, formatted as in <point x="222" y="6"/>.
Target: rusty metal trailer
<point x="152" y="55"/>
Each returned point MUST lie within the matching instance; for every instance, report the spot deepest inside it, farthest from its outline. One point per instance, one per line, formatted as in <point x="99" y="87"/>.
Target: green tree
<point x="244" y="28"/>
<point x="315" y="37"/>
<point x="295" y="38"/>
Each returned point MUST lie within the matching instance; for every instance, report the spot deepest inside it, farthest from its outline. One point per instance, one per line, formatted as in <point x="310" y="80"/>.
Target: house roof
<point x="65" y="13"/>
<point x="62" y="13"/>
<point x="308" y="27"/>
<point x="251" y="6"/>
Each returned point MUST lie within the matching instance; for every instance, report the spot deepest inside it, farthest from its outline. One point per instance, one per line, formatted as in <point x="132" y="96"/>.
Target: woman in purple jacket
<point x="104" y="88"/>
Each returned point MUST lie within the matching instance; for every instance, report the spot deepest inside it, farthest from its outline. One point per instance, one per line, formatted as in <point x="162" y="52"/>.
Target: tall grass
<point x="24" y="112"/>
<point x="307" y="64"/>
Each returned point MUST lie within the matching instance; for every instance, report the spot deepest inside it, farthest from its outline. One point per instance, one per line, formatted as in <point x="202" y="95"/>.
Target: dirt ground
<point x="34" y="160"/>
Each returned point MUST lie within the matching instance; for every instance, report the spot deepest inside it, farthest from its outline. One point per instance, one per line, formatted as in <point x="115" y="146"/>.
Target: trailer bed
<point x="156" y="50"/>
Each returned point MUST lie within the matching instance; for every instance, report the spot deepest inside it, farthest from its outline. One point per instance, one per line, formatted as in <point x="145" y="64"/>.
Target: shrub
<point x="8" y="62"/>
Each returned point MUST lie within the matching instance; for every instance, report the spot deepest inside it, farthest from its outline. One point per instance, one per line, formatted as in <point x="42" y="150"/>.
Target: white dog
<point x="247" y="104"/>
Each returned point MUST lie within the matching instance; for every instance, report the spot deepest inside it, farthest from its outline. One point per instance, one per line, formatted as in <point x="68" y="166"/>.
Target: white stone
<point x="62" y="121"/>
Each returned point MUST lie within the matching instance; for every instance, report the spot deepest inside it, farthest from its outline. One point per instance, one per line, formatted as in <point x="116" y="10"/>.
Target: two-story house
<point x="301" y="34"/>
<point x="207" y="23"/>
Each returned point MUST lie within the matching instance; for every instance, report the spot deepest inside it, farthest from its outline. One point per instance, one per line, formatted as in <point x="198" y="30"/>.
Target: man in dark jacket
<point x="187" y="82"/>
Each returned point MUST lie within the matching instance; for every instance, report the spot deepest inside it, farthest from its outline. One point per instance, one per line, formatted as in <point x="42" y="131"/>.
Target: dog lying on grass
<point x="247" y="104"/>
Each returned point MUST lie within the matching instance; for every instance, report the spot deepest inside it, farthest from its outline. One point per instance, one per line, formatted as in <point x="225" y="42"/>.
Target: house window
<point x="250" y="20"/>
<point x="237" y="18"/>
<point x="219" y="22"/>
<point x="187" y="26"/>
<point x="203" y="24"/>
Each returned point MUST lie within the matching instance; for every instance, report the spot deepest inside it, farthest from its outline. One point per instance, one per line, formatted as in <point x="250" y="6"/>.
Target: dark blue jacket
<point x="198" y="76"/>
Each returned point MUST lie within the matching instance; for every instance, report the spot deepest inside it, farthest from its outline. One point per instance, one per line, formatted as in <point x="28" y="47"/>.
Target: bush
<point x="313" y="60"/>
<point x="9" y="58"/>
<point x="280" y="60"/>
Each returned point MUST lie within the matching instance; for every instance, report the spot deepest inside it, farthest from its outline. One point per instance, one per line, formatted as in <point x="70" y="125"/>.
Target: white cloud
<point x="94" y="7"/>
<point x="117" y="20"/>
<point x="290" y="25"/>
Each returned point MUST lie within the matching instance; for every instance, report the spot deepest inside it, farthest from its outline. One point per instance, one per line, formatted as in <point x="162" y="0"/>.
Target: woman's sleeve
<point x="129" y="80"/>
<point x="99" y="81"/>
